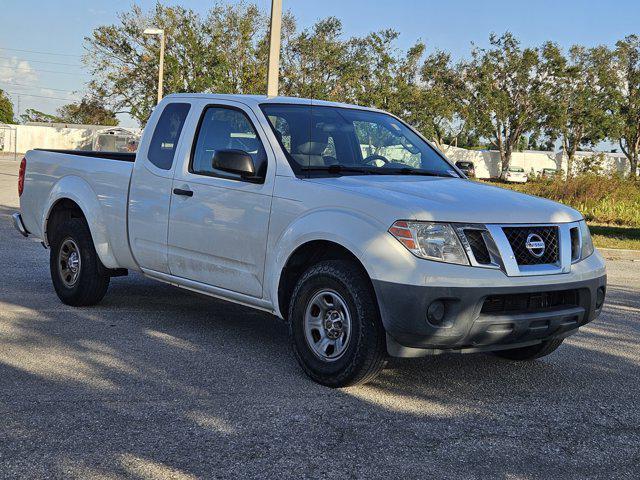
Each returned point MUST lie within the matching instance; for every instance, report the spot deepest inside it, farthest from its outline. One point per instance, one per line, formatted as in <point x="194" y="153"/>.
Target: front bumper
<point x="466" y="327"/>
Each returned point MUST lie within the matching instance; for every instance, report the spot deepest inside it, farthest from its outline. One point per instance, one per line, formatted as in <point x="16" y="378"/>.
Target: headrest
<point x="312" y="148"/>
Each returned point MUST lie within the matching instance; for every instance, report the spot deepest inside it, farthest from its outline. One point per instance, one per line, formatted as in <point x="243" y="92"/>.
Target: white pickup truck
<point x="341" y="220"/>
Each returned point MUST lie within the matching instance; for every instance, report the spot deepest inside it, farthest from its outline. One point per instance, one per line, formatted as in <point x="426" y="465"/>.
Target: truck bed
<point x="100" y="179"/>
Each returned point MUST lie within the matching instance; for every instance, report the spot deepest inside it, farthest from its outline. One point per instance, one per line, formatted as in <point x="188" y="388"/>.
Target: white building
<point x="487" y="162"/>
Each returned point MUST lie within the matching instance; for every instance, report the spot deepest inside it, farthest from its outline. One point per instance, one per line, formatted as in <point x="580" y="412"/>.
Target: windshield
<point x="344" y="140"/>
<point x="516" y="169"/>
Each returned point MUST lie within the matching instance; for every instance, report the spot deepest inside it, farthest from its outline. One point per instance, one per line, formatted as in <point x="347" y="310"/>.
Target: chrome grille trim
<point x="495" y="261"/>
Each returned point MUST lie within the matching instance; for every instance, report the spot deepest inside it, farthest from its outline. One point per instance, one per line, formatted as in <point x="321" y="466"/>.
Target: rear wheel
<point x="532" y="352"/>
<point x="78" y="276"/>
<point x="335" y="327"/>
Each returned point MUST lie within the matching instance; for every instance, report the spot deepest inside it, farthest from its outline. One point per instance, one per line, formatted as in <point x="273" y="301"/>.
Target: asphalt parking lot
<point x="157" y="382"/>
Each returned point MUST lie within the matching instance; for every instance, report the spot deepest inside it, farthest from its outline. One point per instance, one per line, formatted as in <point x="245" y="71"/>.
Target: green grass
<point x="607" y="236"/>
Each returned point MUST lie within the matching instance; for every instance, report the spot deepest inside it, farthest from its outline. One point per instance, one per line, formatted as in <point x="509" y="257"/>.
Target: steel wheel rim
<point x="327" y="325"/>
<point x="69" y="262"/>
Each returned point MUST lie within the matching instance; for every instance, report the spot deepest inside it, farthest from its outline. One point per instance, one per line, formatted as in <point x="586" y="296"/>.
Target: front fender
<point x="358" y="232"/>
<point x="79" y="191"/>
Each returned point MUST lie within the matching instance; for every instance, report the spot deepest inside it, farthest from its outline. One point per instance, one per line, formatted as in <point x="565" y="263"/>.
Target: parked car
<point x="549" y="172"/>
<point x="514" y="175"/>
<point x="468" y="168"/>
<point x="270" y="203"/>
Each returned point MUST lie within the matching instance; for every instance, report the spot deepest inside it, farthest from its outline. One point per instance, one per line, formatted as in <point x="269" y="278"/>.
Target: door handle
<point x="185" y="193"/>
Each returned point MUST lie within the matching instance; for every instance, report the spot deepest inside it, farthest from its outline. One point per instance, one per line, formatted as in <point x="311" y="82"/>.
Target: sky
<point x="56" y="29"/>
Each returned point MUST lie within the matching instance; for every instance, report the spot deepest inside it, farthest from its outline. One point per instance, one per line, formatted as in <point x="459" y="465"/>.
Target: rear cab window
<point x="165" y="138"/>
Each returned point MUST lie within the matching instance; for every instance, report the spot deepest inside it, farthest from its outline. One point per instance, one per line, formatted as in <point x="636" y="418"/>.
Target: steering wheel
<point x="371" y="158"/>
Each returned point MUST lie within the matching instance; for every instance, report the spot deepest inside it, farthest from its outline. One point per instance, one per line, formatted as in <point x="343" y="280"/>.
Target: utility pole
<point x="160" y="33"/>
<point x="274" y="48"/>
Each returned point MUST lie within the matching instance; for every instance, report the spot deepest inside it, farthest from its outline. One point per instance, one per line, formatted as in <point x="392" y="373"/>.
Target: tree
<point x="579" y="103"/>
<point x="32" y="115"/>
<point x="6" y="108"/>
<point x="507" y="85"/>
<point x="320" y="63"/>
<point x="375" y="71"/>
<point x="89" y="111"/>
<point x="443" y="101"/>
<point x="225" y="53"/>
<point x="316" y="62"/>
<point x="626" y="117"/>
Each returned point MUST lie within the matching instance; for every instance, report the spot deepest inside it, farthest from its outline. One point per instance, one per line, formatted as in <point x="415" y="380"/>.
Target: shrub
<point x="601" y="199"/>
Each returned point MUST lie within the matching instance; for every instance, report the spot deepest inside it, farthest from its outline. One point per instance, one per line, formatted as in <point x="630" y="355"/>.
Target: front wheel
<point x="335" y="326"/>
<point x="78" y="276"/>
<point x="530" y="353"/>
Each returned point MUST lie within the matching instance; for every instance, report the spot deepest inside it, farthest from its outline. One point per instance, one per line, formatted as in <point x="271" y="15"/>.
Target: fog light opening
<point x="435" y="313"/>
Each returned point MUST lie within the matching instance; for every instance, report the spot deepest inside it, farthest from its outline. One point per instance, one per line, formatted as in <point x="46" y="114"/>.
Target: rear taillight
<point x="23" y="169"/>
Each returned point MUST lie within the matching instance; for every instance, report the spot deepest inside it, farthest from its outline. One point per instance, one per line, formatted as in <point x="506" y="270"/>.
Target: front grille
<point x="518" y="236"/>
<point x="529" y="302"/>
<point x="478" y="246"/>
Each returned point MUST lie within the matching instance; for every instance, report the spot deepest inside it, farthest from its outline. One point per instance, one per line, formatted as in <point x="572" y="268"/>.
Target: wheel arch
<point x="304" y="256"/>
<point x="74" y="197"/>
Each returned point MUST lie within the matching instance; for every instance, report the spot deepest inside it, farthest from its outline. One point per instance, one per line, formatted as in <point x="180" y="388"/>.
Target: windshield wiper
<point x="340" y="169"/>
<point x="413" y="171"/>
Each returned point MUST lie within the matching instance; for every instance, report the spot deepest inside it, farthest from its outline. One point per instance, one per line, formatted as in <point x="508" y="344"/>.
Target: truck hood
<point x="453" y="200"/>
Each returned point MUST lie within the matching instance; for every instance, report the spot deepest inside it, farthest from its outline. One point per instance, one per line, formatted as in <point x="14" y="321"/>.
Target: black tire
<point x="92" y="280"/>
<point x="530" y="353"/>
<point x="365" y="353"/>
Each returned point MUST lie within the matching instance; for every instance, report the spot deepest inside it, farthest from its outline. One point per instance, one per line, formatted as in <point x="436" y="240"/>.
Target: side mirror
<point x="235" y="161"/>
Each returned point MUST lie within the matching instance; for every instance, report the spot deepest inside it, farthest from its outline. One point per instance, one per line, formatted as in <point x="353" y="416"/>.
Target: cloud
<point x="13" y="69"/>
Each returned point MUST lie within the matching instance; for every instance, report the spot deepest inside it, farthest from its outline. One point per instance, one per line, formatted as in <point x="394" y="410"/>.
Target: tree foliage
<point x="580" y="105"/>
<point x="626" y="95"/>
<point x="33" y="115"/>
<point x="88" y="111"/>
<point x="444" y="106"/>
<point x="509" y="86"/>
<point x="226" y="51"/>
<point x="6" y="108"/>
<point x="222" y="52"/>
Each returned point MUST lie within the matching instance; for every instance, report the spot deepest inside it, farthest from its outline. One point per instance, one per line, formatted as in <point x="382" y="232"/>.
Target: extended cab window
<point x="225" y="128"/>
<point x="166" y="135"/>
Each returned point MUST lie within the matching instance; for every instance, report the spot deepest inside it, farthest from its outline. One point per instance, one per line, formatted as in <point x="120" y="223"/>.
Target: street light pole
<point x="161" y="68"/>
<point x="274" y="48"/>
<point x="160" y="33"/>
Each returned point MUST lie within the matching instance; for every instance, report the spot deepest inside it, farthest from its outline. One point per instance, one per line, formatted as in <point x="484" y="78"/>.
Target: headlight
<point x="433" y="241"/>
<point x="587" y="242"/>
